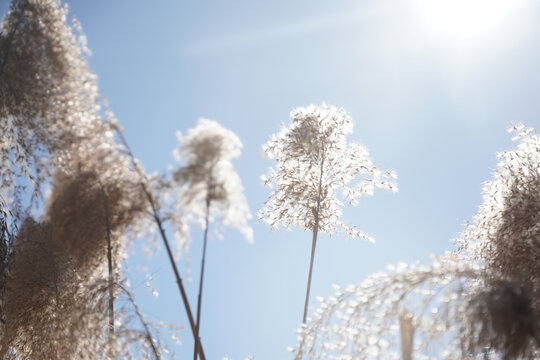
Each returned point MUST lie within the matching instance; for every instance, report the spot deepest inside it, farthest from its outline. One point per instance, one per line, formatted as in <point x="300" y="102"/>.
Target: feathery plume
<point x="206" y="173"/>
<point x="205" y="186"/>
<point x="505" y="233"/>
<point x="362" y="321"/>
<point x="314" y="163"/>
<point x="47" y="93"/>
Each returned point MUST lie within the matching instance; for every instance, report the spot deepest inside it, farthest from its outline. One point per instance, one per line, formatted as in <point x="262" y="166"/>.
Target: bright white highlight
<point x="465" y="19"/>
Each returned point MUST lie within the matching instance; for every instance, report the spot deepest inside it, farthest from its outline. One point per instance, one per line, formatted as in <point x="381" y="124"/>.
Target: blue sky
<point x="431" y="91"/>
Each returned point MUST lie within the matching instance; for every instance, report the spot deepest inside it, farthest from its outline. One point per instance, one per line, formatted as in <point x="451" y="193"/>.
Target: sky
<point x="432" y="87"/>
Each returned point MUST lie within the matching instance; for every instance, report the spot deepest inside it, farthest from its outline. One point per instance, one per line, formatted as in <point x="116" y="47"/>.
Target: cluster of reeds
<point x="481" y="301"/>
<point x="60" y="275"/>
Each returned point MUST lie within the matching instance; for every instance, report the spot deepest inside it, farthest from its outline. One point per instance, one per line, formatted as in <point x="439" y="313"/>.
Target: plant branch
<point x="143" y="322"/>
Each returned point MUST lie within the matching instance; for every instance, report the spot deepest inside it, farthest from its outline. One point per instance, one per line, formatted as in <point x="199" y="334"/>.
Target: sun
<point x="465" y="19"/>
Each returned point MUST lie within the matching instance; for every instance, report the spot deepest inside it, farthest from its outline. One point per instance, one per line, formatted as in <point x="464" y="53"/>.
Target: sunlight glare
<point x="466" y="19"/>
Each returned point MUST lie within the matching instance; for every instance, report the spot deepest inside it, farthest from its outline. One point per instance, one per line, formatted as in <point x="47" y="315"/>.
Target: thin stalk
<point x="199" y="300"/>
<point x="313" y="244"/>
<point x="6" y="251"/>
<point x="110" y="266"/>
<point x="110" y="261"/>
<point x="159" y="224"/>
<point x="314" y="241"/>
<point x="407" y="335"/>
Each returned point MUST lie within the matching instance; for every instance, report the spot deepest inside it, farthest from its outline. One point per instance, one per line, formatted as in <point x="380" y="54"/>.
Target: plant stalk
<point x="407" y="335"/>
<point x="159" y="224"/>
<point x="199" y="300"/>
<point x="313" y="244"/>
<point x="110" y="261"/>
<point x="314" y="241"/>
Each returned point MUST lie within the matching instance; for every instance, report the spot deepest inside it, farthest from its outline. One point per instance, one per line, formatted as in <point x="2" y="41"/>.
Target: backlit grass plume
<point x="362" y="321"/>
<point x="205" y="186"/>
<point x="505" y="233"/>
<point x="316" y="171"/>
<point x="78" y="214"/>
<point x="47" y="94"/>
<point x="505" y="237"/>
<point x="48" y="313"/>
<point x="58" y="296"/>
